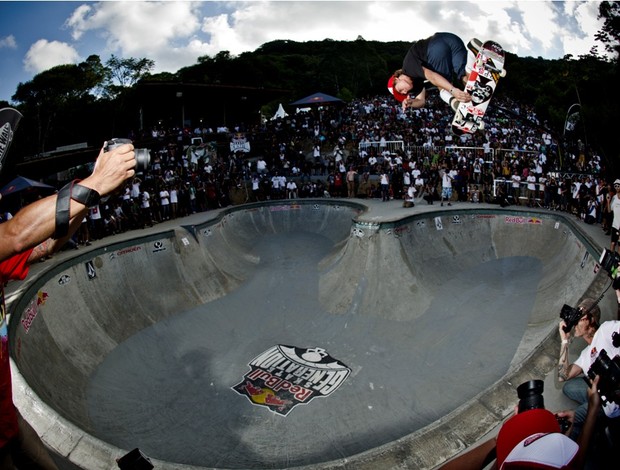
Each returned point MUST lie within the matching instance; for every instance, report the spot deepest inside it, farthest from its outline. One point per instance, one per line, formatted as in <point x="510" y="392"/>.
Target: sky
<point x="35" y="36"/>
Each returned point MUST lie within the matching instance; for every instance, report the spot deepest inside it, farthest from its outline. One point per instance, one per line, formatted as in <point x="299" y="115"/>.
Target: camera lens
<point x="143" y="156"/>
<point x="143" y="159"/>
<point x="530" y="395"/>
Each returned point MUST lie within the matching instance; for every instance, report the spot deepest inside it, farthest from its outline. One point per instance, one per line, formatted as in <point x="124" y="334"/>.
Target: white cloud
<point x="8" y="42"/>
<point x="522" y="27"/>
<point x="175" y="34"/>
<point x="540" y="18"/>
<point x="579" y="40"/>
<point x="162" y="31"/>
<point x="44" y="54"/>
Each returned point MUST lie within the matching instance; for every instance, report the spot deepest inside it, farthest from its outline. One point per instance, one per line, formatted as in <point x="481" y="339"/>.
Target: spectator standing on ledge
<point x="351" y="182"/>
<point x="446" y="186"/>
<point x="614" y="209"/>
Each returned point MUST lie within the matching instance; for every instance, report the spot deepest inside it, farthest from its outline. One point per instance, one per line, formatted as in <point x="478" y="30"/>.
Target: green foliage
<point x="125" y="73"/>
<point x="347" y="69"/>
<point x="609" y="34"/>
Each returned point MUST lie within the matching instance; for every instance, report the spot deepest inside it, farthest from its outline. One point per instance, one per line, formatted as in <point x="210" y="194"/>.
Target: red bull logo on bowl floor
<point x="286" y="376"/>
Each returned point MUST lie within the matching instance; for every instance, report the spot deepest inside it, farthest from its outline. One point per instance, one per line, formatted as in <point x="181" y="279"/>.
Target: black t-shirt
<point x="412" y="64"/>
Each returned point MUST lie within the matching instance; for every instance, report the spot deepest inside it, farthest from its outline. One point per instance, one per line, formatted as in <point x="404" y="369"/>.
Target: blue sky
<point x="35" y="36"/>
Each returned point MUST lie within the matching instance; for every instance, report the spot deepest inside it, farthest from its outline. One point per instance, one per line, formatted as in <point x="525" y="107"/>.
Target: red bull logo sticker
<point x="31" y="312"/>
<point x="286" y="376"/>
<point x="510" y="219"/>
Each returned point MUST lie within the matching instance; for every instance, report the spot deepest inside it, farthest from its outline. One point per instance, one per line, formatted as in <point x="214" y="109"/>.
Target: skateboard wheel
<point x="502" y="73"/>
<point x="481" y="125"/>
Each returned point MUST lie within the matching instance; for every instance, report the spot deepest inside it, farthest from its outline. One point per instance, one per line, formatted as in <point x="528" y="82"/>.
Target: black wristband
<point x="87" y="196"/>
<point x="63" y="202"/>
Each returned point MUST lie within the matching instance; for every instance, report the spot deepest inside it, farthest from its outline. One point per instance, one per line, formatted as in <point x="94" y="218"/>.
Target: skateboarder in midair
<point x="432" y="60"/>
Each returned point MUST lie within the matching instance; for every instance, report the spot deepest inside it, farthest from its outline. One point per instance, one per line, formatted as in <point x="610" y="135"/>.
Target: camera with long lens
<point x="530" y="395"/>
<point x="610" y="262"/>
<point x="135" y="460"/>
<point x="143" y="156"/>
<point x="571" y="317"/>
<point x="609" y="372"/>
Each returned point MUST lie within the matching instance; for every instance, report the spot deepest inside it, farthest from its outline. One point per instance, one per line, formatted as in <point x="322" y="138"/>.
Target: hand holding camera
<point x="605" y="374"/>
<point x="142" y="156"/>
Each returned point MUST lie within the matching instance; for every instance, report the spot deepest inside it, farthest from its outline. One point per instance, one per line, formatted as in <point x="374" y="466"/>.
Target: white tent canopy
<point x="280" y="113"/>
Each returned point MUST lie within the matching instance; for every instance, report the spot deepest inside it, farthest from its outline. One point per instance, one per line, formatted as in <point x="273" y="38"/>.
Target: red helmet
<point x="399" y="96"/>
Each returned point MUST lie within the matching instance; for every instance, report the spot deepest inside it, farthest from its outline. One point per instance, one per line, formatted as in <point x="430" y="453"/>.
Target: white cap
<point x="542" y="450"/>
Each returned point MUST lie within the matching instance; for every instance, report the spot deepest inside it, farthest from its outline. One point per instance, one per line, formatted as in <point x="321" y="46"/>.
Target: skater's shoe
<point x="446" y="96"/>
<point x="474" y="45"/>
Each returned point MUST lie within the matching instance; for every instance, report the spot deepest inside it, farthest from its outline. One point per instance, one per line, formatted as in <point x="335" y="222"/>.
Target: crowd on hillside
<point x="346" y="151"/>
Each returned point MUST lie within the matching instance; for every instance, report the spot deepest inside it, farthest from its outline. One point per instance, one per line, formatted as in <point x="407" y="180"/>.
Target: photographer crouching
<point x="600" y="358"/>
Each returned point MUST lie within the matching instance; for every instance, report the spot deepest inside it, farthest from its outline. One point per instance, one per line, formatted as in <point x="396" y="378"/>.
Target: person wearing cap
<point x="532" y="439"/>
<point x="25" y="239"/>
<point x="614" y="209"/>
<point x="598" y="338"/>
<point x="433" y="60"/>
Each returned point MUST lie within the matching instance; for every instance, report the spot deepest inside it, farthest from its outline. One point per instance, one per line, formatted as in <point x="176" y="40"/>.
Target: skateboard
<point x="9" y="119"/>
<point x="486" y="72"/>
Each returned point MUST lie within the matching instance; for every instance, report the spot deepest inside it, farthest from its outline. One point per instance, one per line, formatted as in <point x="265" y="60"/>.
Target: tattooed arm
<point x="50" y="246"/>
<point x="565" y="370"/>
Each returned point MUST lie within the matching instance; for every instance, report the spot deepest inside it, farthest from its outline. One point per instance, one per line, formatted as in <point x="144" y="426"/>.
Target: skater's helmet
<point x="390" y="86"/>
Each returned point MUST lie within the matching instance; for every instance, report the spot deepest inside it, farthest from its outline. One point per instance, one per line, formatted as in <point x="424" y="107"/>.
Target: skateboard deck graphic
<point x="486" y="72"/>
<point x="9" y="119"/>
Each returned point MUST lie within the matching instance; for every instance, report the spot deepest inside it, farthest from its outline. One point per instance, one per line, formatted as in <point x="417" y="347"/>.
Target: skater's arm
<point x="443" y="84"/>
<point x="417" y="102"/>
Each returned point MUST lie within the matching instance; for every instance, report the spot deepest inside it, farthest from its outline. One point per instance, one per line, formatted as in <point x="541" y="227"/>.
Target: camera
<point x="530" y="395"/>
<point x="134" y="460"/>
<point x="143" y="156"/>
<point x="609" y="372"/>
<point x="610" y="262"/>
<point x="571" y="317"/>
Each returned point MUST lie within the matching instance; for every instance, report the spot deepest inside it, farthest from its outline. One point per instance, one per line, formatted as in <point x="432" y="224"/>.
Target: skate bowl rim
<point x="434" y="443"/>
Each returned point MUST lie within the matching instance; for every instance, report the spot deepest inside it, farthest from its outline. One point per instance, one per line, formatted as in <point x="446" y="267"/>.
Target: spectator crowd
<point x="369" y="148"/>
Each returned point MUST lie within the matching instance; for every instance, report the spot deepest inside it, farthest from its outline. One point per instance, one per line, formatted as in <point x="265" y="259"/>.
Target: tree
<point x="50" y="99"/>
<point x="609" y="34"/>
<point x="125" y="73"/>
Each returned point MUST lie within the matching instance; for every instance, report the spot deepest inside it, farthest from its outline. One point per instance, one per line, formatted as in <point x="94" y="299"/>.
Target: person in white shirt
<point x="164" y="202"/>
<point x="261" y="166"/>
<point x="446" y="186"/>
<point x="614" y="208"/>
<point x="516" y="185"/>
<point x="598" y="339"/>
<point x="531" y="190"/>
<point x="410" y="197"/>
<point x="145" y="206"/>
<point x="291" y="190"/>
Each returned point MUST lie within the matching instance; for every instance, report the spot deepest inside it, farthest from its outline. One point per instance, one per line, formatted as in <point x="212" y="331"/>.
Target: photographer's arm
<point x="566" y="371"/>
<point x="594" y="405"/>
<point x="36" y="222"/>
<point x="50" y="246"/>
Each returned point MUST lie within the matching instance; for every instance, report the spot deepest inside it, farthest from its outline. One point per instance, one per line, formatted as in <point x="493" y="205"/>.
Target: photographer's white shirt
<point x="602" y="340"/>
<point x="614" y="206"/>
